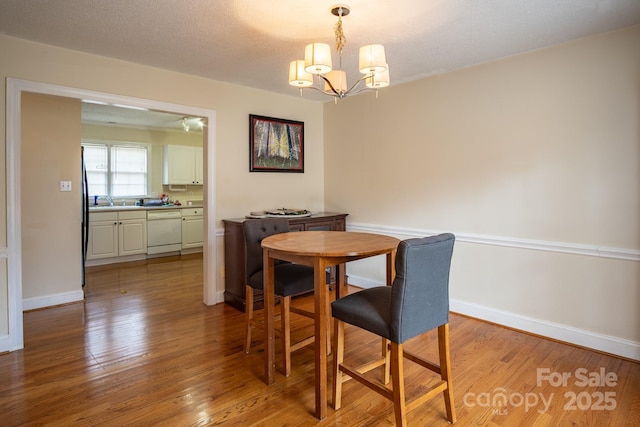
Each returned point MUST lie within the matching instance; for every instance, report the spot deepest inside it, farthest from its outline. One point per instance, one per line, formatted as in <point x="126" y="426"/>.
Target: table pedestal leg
<point x="269" y="302"/>
<point x="321" y="300"/>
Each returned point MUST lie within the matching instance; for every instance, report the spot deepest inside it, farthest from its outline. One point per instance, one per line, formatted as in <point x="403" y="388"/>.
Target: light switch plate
<point x="65" y="185"/>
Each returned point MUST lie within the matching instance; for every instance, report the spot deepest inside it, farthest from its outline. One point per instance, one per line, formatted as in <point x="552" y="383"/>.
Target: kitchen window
<point x="117" y="169"/>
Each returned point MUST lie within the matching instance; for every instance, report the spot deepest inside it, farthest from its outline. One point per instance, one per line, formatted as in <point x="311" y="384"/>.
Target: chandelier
<point x="317" y="61"/>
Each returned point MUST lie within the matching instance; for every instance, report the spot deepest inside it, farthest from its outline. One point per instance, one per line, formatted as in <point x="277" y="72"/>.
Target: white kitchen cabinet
<point x="103" y="235"/>
<point x="132" y="232"/>
<point x="192" y="228"/>
<point x="117" y="233"/>
<point x="182" y="165"/>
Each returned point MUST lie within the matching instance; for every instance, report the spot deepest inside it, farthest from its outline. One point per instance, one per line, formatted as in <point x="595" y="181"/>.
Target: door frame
<point x="15" y="88"/>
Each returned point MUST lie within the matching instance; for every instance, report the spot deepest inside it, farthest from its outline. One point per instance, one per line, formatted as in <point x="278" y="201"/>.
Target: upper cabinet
<point x="183" y="165"/>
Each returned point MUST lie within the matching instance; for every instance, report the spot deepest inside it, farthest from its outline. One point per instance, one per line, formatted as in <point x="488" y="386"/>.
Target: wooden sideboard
<point x="234" y="252"/>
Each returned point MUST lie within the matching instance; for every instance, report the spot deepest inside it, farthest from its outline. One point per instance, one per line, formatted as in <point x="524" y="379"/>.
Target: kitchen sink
<point x="114" y="207"/>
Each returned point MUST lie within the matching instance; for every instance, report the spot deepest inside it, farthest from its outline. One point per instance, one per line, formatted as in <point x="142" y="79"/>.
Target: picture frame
<point x="275" y="145"/>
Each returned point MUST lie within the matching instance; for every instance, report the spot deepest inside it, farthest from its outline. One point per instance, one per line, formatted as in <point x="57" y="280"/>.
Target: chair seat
<point x="289" y="279"/>
<point x="367" y="309"/>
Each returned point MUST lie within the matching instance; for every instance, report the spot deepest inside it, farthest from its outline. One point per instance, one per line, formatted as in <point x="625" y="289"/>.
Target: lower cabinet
<point x="113" y="234"/>
<point x="132" y="233"/>
<point x="192" y="228"/>
<point x="234" y="252"/>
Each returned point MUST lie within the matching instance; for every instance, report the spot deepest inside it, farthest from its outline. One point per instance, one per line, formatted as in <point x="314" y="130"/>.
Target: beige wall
<point x="51" y="219"/>
<point x="237" y="190"/>
<point x="534" y="150"/>
<point x="538" y="151"/>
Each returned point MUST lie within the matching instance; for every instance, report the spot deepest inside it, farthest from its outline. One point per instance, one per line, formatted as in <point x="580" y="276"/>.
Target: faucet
<point x="109" y="199"/>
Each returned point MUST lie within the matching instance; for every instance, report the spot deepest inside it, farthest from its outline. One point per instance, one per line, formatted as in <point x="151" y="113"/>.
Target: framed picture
<point x="275" y="145"/>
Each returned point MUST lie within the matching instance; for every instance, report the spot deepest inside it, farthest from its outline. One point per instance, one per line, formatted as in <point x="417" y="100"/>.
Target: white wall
<point x="533" y="161"/>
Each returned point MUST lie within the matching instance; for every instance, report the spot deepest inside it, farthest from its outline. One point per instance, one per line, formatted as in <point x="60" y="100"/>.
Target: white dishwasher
<point x="164" y="231"/>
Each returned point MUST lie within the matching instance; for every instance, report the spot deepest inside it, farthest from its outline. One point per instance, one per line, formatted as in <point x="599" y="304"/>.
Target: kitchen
<point x="51" y="133"/>
<point x="158" y="211"/>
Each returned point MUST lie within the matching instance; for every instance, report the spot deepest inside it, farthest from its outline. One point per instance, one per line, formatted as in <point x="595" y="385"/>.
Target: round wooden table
<point x="319" y="249"/>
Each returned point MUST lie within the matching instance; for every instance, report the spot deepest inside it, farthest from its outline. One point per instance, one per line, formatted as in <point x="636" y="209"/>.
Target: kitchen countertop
<point x="133" y="207"/>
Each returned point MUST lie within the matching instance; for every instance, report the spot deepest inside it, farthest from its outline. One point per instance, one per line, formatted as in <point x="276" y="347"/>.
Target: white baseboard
<point x="219" y="297"/>
<point x="583" y="338"/>
<point x="51" y="300"/>
<point x="5" y="343"/>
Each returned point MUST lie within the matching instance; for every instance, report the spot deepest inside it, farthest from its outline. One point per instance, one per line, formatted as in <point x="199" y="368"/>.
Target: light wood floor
<point x="143" y="350"/>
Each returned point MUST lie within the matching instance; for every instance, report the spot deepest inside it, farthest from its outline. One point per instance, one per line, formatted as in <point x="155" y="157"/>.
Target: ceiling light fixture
<point x="185" y="124"/>
<point x="188" y="122"/>
<point x="317" y="61"/>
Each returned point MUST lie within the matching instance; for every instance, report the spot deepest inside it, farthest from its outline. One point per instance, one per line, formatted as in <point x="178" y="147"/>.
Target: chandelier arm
<point x="319" y="90"/>
<point x="345" y="93"/>
<point x="356" y="84"/>
<point x="338" y="93"/>
<point x="364" y="89"/>
<point x="333" y="89"/>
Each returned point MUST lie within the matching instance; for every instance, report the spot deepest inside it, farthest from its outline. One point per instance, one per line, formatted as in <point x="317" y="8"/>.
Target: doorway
<point x="15" y="89"/>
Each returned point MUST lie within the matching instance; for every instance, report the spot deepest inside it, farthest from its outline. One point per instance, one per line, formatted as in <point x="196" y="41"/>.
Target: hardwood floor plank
<point x="143" y="349"/>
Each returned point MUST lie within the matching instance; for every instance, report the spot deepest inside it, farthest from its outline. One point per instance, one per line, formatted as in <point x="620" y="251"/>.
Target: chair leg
<point x="329" y="319"/>
<point x="385" y="355"/>
<point x="397" y="378"/>
<point x="338" y="358"/>
<point x="248" y="316"/>
<point x="285" y="317"/>
<point x="445" y="370"/>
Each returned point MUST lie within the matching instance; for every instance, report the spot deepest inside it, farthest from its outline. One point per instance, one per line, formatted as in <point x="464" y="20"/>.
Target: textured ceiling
<point x="251" y="42"/>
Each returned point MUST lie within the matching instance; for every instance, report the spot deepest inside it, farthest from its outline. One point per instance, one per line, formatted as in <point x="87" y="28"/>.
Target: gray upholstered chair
<point x="417" y="302"/>
<point x="289" y="280"/>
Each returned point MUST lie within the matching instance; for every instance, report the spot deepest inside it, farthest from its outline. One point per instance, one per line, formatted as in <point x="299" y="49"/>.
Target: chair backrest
<point x="254" y="231"/>
<point x="420" y="293"/>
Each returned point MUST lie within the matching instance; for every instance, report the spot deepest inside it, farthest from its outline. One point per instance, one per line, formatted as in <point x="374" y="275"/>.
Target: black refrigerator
<point x="85" y="213"/>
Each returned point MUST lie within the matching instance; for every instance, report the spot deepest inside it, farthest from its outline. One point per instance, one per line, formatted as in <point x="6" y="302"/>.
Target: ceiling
<point x="113" y="115"/>
<point x="250" y="42"/>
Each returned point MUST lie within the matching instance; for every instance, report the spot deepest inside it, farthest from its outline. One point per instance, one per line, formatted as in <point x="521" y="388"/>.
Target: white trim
<point x="560" y="332"/>
<point x="51" y="300"/>
<point x="5" y="343"/>
<point x="584" y="338"/>
<point x="219" y="297"/>
<point x="511" y="242"/>
<point x="15" y="88"/>
<point x="557" y="331"/>
<point x="14" y="223"/>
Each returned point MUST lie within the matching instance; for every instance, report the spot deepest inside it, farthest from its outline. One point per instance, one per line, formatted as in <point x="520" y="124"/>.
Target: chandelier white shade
<point x="378" y="80"/>
<point x="338" y="79"/>
<point x="298" y="76"/>
<point x="317" y="58"/>
<point x="372" y="63"/>
<point x="372" y="59"/>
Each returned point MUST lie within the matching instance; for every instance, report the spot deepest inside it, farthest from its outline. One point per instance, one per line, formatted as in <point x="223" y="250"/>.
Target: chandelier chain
<point x="341" y="40"/>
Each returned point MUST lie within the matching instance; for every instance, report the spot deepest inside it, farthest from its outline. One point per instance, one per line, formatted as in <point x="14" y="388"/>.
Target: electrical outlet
<point x="65" y="185"/>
